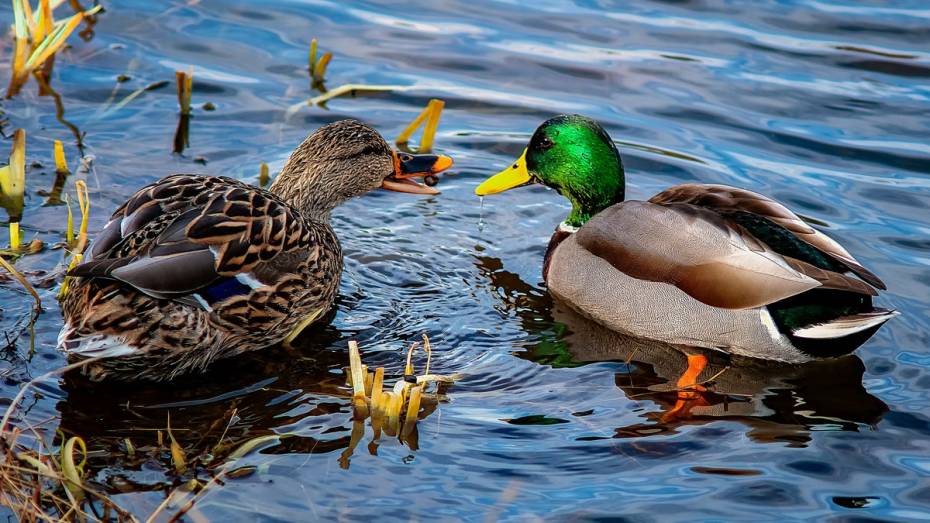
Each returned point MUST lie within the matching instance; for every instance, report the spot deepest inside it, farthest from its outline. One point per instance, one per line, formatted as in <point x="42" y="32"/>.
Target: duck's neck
<point x="308" y="187"/>
<point x="602" y="187"/>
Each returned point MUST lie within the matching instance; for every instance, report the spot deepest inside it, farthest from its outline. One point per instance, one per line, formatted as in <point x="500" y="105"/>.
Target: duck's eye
<point x="546" y="142"/>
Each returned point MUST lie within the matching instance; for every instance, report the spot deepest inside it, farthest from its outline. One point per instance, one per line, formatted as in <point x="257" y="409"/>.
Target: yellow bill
<point x="513" y="176"/>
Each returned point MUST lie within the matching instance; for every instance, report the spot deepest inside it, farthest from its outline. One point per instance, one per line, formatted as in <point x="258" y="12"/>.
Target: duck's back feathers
<point x="185" y="233"/>
<point x="694" y="249"/>
<point x="725" y="200"/>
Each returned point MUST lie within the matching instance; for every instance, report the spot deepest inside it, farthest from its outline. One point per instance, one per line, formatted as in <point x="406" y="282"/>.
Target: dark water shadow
<point x="239" y="399"/>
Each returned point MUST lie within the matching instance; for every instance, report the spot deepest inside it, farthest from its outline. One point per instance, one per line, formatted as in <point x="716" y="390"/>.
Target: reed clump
<point x="40" y="482"/>
<point x="316" y="66"/>
<point x="429" y="117"/>
<point x="37" y="37"/>
<point x="393" y="411"/>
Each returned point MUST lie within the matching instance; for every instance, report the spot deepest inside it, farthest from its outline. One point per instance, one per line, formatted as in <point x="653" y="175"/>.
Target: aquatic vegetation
<point x="394" y="411"/>
<point x="53" y="197"/>
<point x="76" y="245"/>
<point x="263" y="176"/>
<point x="23" y="281"/>
<point x="185" y="86"/>
<point x="13" y="186"/>
<point x="40" y="483"/>
<point x="352" y="90"/>
<point x="108" y="109"/>
<point x="317" y="67"/>
<point x="37" y="37"/>
<point x="429" y="116"/>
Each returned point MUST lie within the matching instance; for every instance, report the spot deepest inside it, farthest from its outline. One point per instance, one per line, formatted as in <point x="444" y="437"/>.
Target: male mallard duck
<point x="703" y="265"/>
<point x="195" y="268"/>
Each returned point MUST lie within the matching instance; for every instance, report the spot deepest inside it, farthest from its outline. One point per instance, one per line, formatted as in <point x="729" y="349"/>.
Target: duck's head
<point x="345" y="159"/>
<point x="573" y="155"/>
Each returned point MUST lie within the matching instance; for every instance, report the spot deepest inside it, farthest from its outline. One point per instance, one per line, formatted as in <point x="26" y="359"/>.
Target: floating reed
<point x="76" y="244"/>
<point x="430" y="117"/>
<point x="37" y="37"/>
<point x="353" y="89"/>
<point x="263" y="176"/>
<point x="61" y="176"/>
<point x="317" y="68"/>
<point x="13" y="186"/>
<point x="185" y="84"/>
<point x="394" y="411"/>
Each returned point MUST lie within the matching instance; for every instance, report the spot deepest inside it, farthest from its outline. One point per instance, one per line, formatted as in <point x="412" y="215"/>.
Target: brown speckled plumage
<point x="194" y="268"/>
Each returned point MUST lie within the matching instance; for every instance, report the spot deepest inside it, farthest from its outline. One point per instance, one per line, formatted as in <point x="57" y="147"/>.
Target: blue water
<point x="822" y="105"/>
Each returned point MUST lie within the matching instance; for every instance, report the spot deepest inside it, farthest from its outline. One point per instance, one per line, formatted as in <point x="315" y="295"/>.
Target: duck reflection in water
<point x="299" y="391"/>
<point x="777" y="402"/>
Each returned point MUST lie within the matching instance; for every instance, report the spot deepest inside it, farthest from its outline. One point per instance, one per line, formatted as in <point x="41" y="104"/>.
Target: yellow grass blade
<point x="429" y="352"/>
<point x="69" y="230"/>
<point x="185" y="82"/>
<point x="408" y="131"/>
<point x="61" y="164"/>
<point x="263" y="175"/>
<point x="73" y="473"/>
<point x="311" y="60"/>
<point x="253" y="443"/>
<point x="44" y="23"/>
<point x="377" y="386"/>
<point x="177" y="453"/>
<point x="430" y="116"/>
<point x="76" y="259"/>
<point x="54" y="41"/>
<point x="18" y="72"/>
<point x="355" y="88"/>
<point x="23" y="281"/>
<point x="27" y="16"/>
<point x="15" y="240"/>
<point x="13" y="185"/>
<point x="413" y="408"/>
<point x="358" y="381"/>
<point x="435" y="107"/>
<point x="84" y="205"/>
<point x="319" y="72"/>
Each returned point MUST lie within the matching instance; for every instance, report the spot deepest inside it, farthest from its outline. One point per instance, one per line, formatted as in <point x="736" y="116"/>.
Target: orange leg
<point x="689" y="391"/>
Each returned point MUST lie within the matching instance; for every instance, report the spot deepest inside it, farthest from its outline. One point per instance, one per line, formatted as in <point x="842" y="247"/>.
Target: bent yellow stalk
<point x="73" y="473"/>
<point x="23" y="281"/>
<point x="61" y="165"/>
<point x="430" y="116"/>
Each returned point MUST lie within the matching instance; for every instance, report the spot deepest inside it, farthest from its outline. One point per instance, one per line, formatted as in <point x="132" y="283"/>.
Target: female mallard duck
<point x="701" y="265"/>
<point x="195" y="268"/>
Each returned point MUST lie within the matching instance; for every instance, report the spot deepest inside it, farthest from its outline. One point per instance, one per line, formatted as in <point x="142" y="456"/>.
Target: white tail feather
<point x="96" y="346"/>
<point x="845" y="325"/>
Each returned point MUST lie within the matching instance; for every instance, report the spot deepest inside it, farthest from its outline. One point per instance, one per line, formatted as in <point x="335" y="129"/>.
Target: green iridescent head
<point x="573" y="155"/>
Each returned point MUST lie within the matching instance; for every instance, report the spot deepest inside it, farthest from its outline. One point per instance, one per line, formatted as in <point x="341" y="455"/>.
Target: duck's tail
<point x="844" y="326"/>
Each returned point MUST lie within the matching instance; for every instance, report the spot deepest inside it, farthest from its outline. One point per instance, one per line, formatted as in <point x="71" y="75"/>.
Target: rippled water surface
<point x="822" y="105"/>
